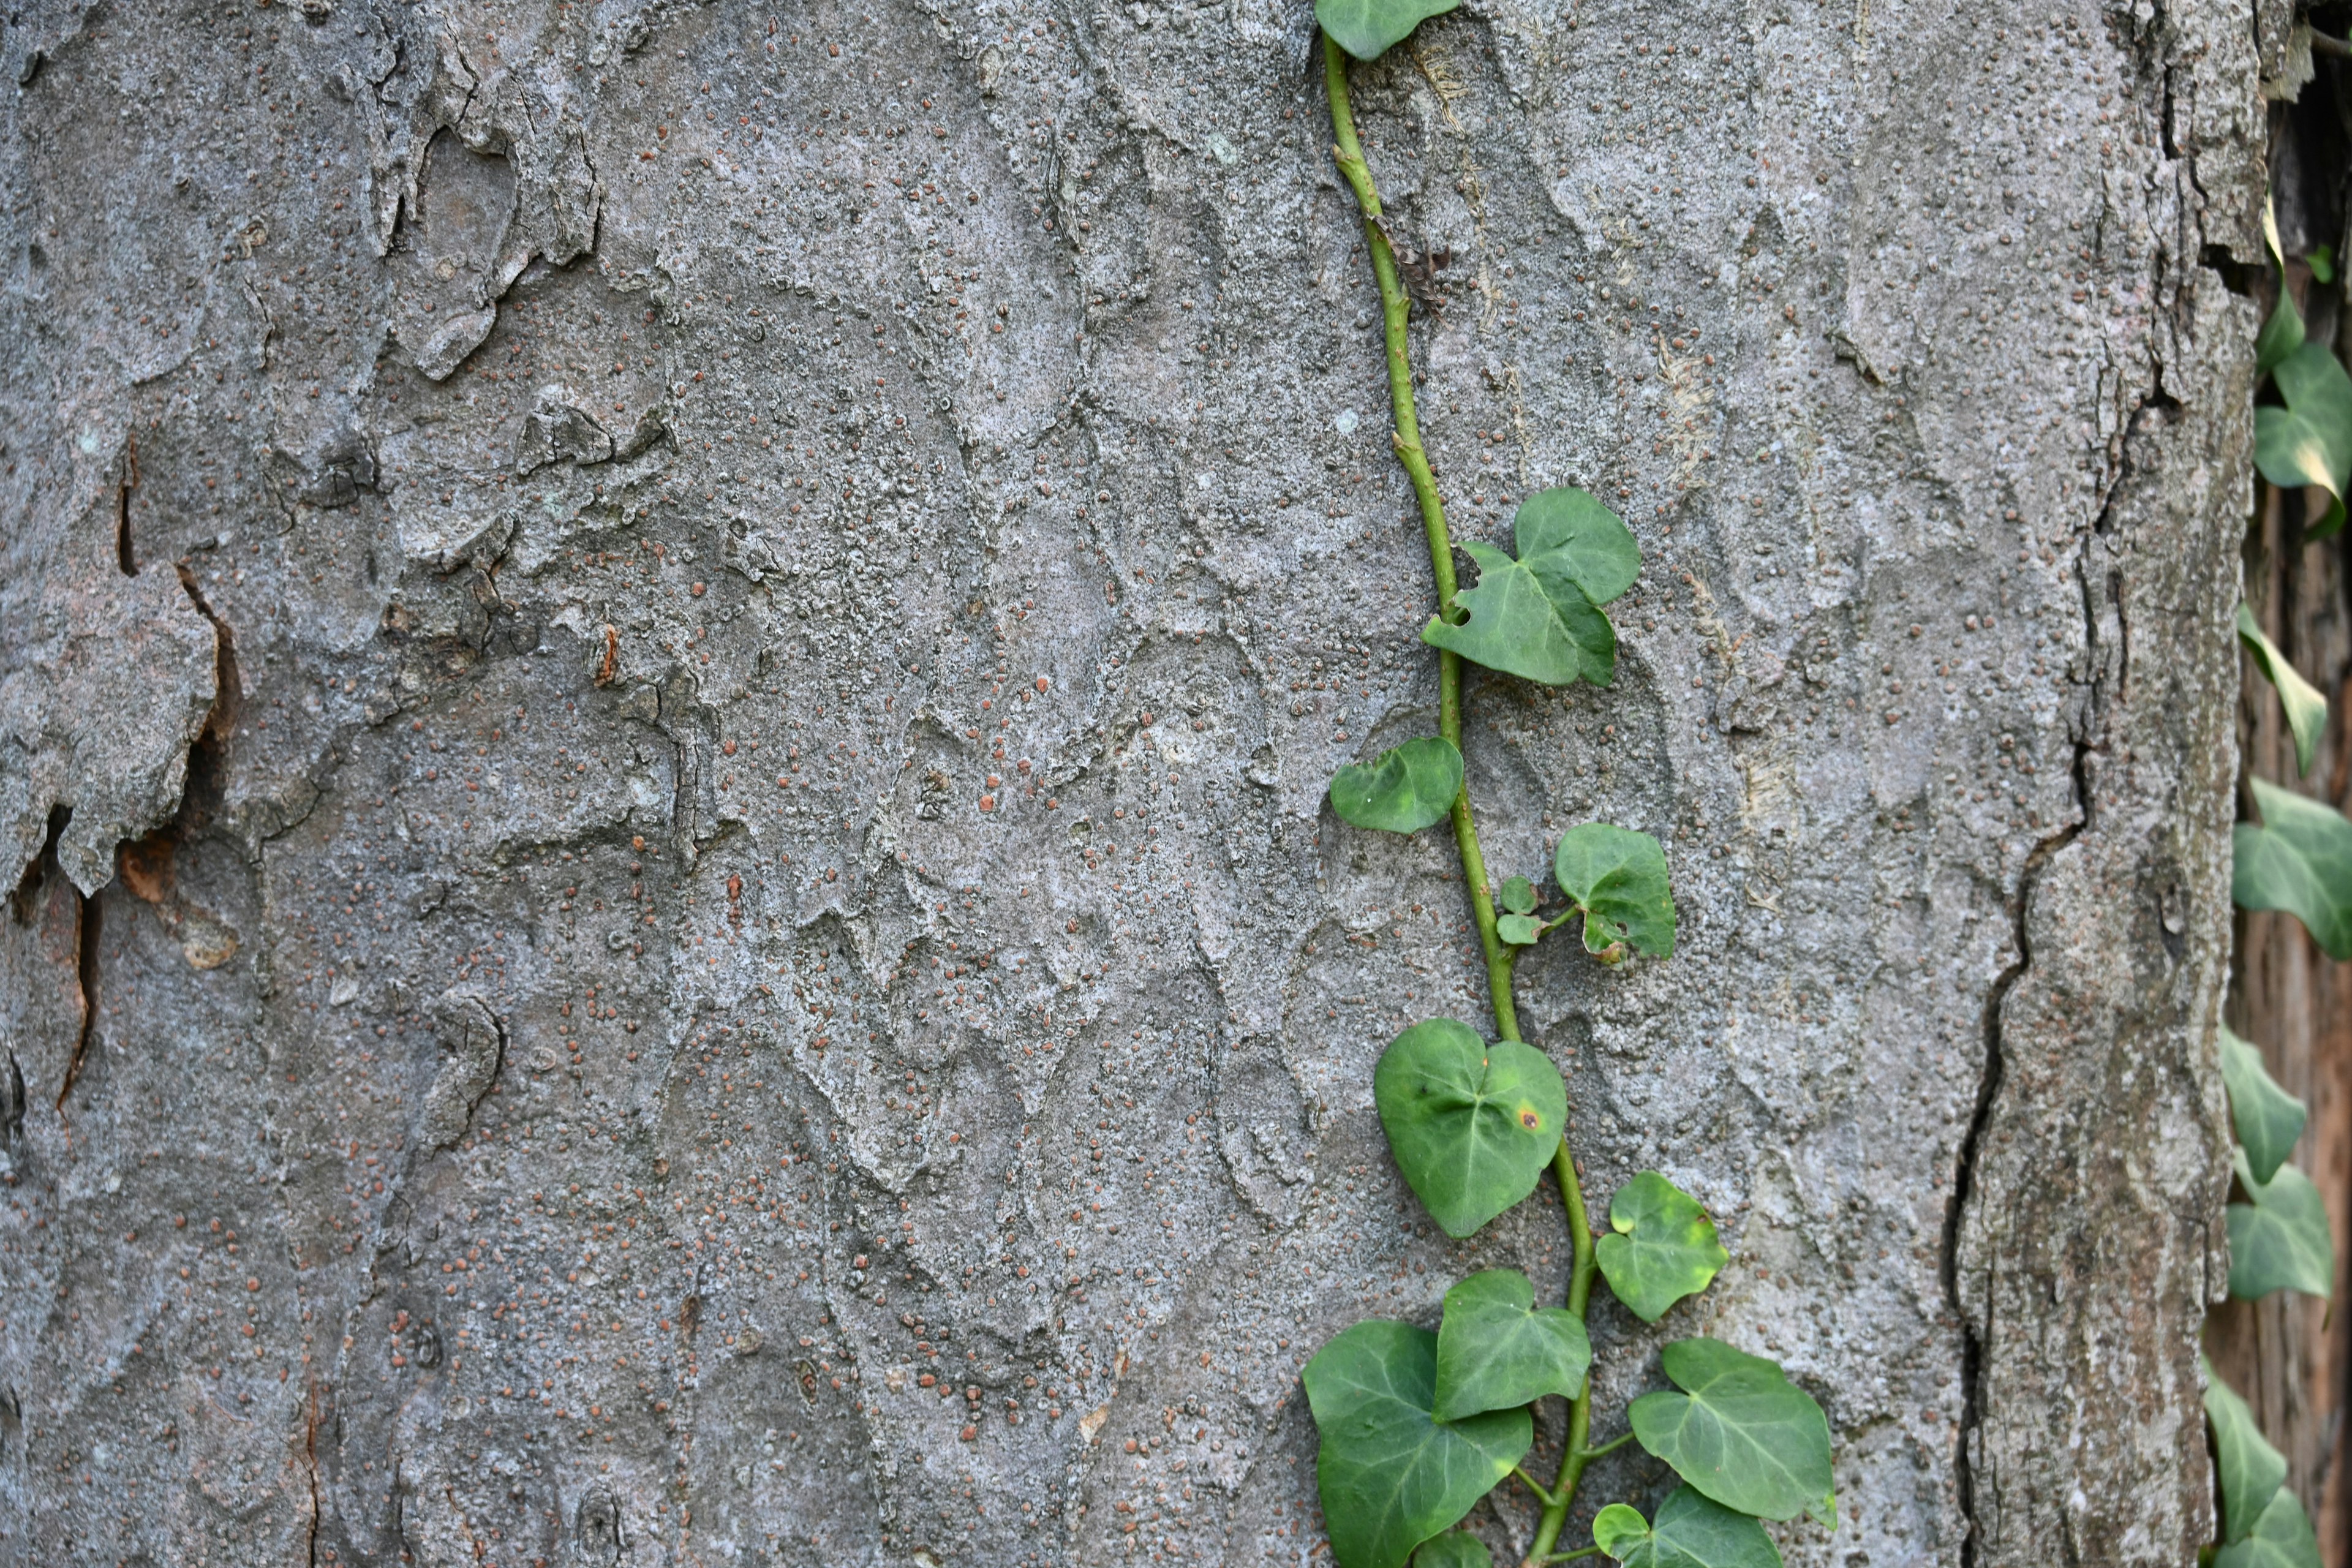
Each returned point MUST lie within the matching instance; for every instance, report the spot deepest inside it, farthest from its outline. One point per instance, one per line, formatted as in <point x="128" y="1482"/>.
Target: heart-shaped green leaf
<point x="1454" y="1550"/>
<point x="1691" y="1533"/>
<point x="1369" y="28"/>
<point x="2299" y="859"/>
<point x="1495" y="1349"/>
<point x="2280" y="1241"/>
<point x="1472" y="1125"/>
<point x="2307" y="710"/>
<point x="2281" y="1538"/>
<point x="2251" y="1469"/>
<point x="1740" y="1432"/>
<point x="1406" y="788"/>
<point x="1391" y="1473"/>
<point x="1519" y="930"/>
<point x="2309" y="441"/>
<point x="2267" y="1118"/>
<point x="1538" y="616"/>
<point x="1618" y="877"/>
<point x="1664" y="1248"/>
<point x="1519" y="896"/>
<point x="2281" y="334"/>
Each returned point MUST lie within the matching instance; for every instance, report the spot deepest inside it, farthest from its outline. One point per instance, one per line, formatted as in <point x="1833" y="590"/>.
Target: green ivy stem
<point x="1573" y="1455"/>
<point x="1395" y="307"/>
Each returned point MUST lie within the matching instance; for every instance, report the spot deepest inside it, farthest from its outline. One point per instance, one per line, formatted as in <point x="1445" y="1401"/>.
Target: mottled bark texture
<point x="2289" y="1353"/>
<point x="670" y="671"/>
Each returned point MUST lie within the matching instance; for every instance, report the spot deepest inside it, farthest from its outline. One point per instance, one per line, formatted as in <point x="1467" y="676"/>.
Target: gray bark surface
<point x="668" y="673"/>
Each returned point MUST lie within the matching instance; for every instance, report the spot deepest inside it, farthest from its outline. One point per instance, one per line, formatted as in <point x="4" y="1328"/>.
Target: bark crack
<point x="1973" y="1339"/>
<point x="310" y="1468"/>
<point x="89" y="929"/>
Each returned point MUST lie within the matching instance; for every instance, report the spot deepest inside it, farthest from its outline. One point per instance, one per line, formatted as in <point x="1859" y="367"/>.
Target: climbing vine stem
<point x="1396" y="307"/>
<point x="1418" y="1427"/>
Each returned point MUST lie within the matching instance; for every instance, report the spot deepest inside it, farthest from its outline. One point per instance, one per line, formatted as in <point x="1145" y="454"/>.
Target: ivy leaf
<point x="1740" y="1432"/>
<point x="2252" y="1470"/>
<point x="1618" y="878"/>
<point x="2283" y="333"/>
<point x="1538" y="616"/>
<point x="2282" y="1538"/>
<point x="1472" y="1125"/>
<point x="1457" y="1549"/>
<point x="1519" y="930"/>
<point x="1495" y="1349"/>
<point x="2307" y="710"/>
<point x="2280" y="1241"/>
<point x="2267" y="1118"/>
<point x="1519" y="896"/>
<point x="1391" y="1475"/>
<point x="1690" y="1532"/>
<point x="1405" y="790"/>
<point x="1368" y="28"/>
<point x="1664" y="1248"/>
<point x="2298" y="859"/>
<point x="2309" y="441"/>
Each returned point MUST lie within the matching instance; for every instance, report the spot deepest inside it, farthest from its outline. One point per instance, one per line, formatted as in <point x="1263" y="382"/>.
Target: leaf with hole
<point x="2298" y="859"/>
<point x="1538" y="616"/>
<point x="1391" y="1475"/>
<point x="1739" y="1431"/>
<point x="1472" y="1125"/>
<point x="2282" y="1538"/>
<point x="1690" y="1532"/>
<point x="1663" y="1249"/>
<point x="2250" y="1469"/>
<point x="1617" y="878"/>
<point x="2309" y="440"/>
<point x="2268" y="1119"/>
<point x="1370" y="28"/>
<point x="1404" y="790"/>
<point x="1456" y="1548"/>
<point x="1519" y="896"/>
<point x="2307" y="710"/>
<point x="1495" y="1349"/>
<point x="2280" y="1241"/>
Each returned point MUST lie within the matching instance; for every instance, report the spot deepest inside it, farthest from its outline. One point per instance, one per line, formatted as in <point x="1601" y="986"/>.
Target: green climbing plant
<point x="2297" y="859"/>
<point x="2305" y="437"/>
<point x="1417" y="1426"/>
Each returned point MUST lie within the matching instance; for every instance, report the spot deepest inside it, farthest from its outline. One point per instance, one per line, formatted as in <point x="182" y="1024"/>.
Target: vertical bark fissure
<point x="1973" y="1339"/>
<point x="88" y="929"/>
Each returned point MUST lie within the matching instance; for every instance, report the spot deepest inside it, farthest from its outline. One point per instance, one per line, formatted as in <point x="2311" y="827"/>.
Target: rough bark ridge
<point x="747" y="966"/>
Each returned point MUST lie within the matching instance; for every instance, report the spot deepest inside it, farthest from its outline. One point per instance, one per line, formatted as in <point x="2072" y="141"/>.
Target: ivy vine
<point x="2296" y="858"/>
<point x="1416" y="1427"/>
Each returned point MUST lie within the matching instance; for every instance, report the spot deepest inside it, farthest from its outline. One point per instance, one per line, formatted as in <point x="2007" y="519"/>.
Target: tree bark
<point x="669" y="675"/>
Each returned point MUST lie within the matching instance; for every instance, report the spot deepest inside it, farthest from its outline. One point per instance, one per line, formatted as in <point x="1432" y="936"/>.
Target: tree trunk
<point x="670" y="674"/>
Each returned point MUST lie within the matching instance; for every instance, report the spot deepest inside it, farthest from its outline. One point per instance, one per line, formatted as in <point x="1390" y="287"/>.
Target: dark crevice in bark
<point x="124" y="556"/>
<point x="310" y="1470"/>
<point x="25" y="900"/>
<point x="1980" y="1117"/>
<point x="221" y="723"/>
<point x="2020" y="910"/>
<point x="92" y="927"/>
